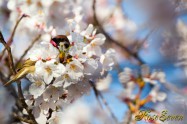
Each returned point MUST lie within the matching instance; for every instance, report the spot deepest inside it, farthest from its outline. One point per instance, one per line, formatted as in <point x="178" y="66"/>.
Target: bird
<point x="61" y="42"/>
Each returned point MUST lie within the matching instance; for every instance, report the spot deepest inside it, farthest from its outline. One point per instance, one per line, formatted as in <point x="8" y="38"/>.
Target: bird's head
<point x="61" y="42"/>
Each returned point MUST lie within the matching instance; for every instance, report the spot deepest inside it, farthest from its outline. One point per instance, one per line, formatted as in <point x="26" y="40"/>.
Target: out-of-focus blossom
<point x="108" y="59"/>
<point x="71" y="117"/>
<point x="156" y="95"/>
<point x="182" y="56"/>
<point x="126" y="75"/>
<point x="103" y="84"/>
<point x="131" y="80"/>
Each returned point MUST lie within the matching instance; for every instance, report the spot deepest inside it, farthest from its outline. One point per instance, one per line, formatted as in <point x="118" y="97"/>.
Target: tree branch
<point x="22" y="119"/>
<point x="133" y="54"/>
<point x="98" y="93"/>
<point x="12" y="34"/>
<point x="10" y="58"/>
<point x="14" y="29"/>
<point x="20" y="93"/>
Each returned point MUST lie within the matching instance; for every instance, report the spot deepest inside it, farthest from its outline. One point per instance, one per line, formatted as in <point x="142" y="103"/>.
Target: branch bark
<point x="20" y="93"/>
<point x="99" y="94"/>
<point x="12" y="34"/>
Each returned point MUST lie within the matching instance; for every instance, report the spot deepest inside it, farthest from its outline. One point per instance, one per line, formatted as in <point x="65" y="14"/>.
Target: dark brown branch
<point x="14" y="29"/>
<point x="22" y="119"/>
<point x="10" y="58"/>
<point x="20" y="93"/>
<point x="26" y="51"/>
<point x="3" y="78"/>
<point x="22" y="99"/>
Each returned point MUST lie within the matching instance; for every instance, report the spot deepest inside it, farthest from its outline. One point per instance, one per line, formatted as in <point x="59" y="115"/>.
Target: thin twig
<point x="12" y="34"/>
<point x="14" y="29"/>
<point x="172" y="87"/>
<point x="20" y="93"/>
<point x="103" y="100"/>
<point x="96" y="93"/>
<point x="26" y="51"/>
<point x="140" y="45"/>
<point x="128" y="118"/>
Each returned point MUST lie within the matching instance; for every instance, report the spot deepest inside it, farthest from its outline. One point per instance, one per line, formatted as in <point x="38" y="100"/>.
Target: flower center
<point x="93" y="44"/>
<point x="29" y="2"/>
<point x="48" y="69"/>
<point x="38" y="83"/>
<point x="73" y="67"/>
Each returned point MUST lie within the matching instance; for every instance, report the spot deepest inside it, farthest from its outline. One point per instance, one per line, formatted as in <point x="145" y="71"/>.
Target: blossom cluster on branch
<point x="60" y="50"/>
<point x="58" y="66"/>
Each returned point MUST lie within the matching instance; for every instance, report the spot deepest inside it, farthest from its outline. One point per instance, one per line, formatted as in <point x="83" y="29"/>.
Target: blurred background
<point x="155" y="32"/>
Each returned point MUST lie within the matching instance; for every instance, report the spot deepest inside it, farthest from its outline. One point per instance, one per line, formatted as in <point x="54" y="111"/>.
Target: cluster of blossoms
<point x="132" y="81"/>
<point x="59" y="71"/>
<point x="59" y="67"/>
<point x="41" y="17"/>
<point x="181" y="51"/>
<point x="70" y="55"/>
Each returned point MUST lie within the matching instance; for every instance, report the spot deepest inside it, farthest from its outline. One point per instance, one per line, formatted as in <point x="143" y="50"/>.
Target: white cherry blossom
<point x="49" y="70"/>
<point x="75" y="69"/>
<point x="156" y="95"/>
<point x="126" y="75"/>
<point x="43" y="51"/>
<point x="93" y="48"/>
<point x="103" y="84"/>
<point x="37" y="88"/>
<point x="108" y="59"/>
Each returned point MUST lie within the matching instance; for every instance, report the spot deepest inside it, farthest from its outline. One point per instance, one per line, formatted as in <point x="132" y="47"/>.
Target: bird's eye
<point x="66" y="45"/>
<point x="54" y="39"/>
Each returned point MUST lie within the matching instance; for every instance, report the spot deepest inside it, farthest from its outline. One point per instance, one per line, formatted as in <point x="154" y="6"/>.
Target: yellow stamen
<point x="48" y="69"/>
<point x="38" y="83"/>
